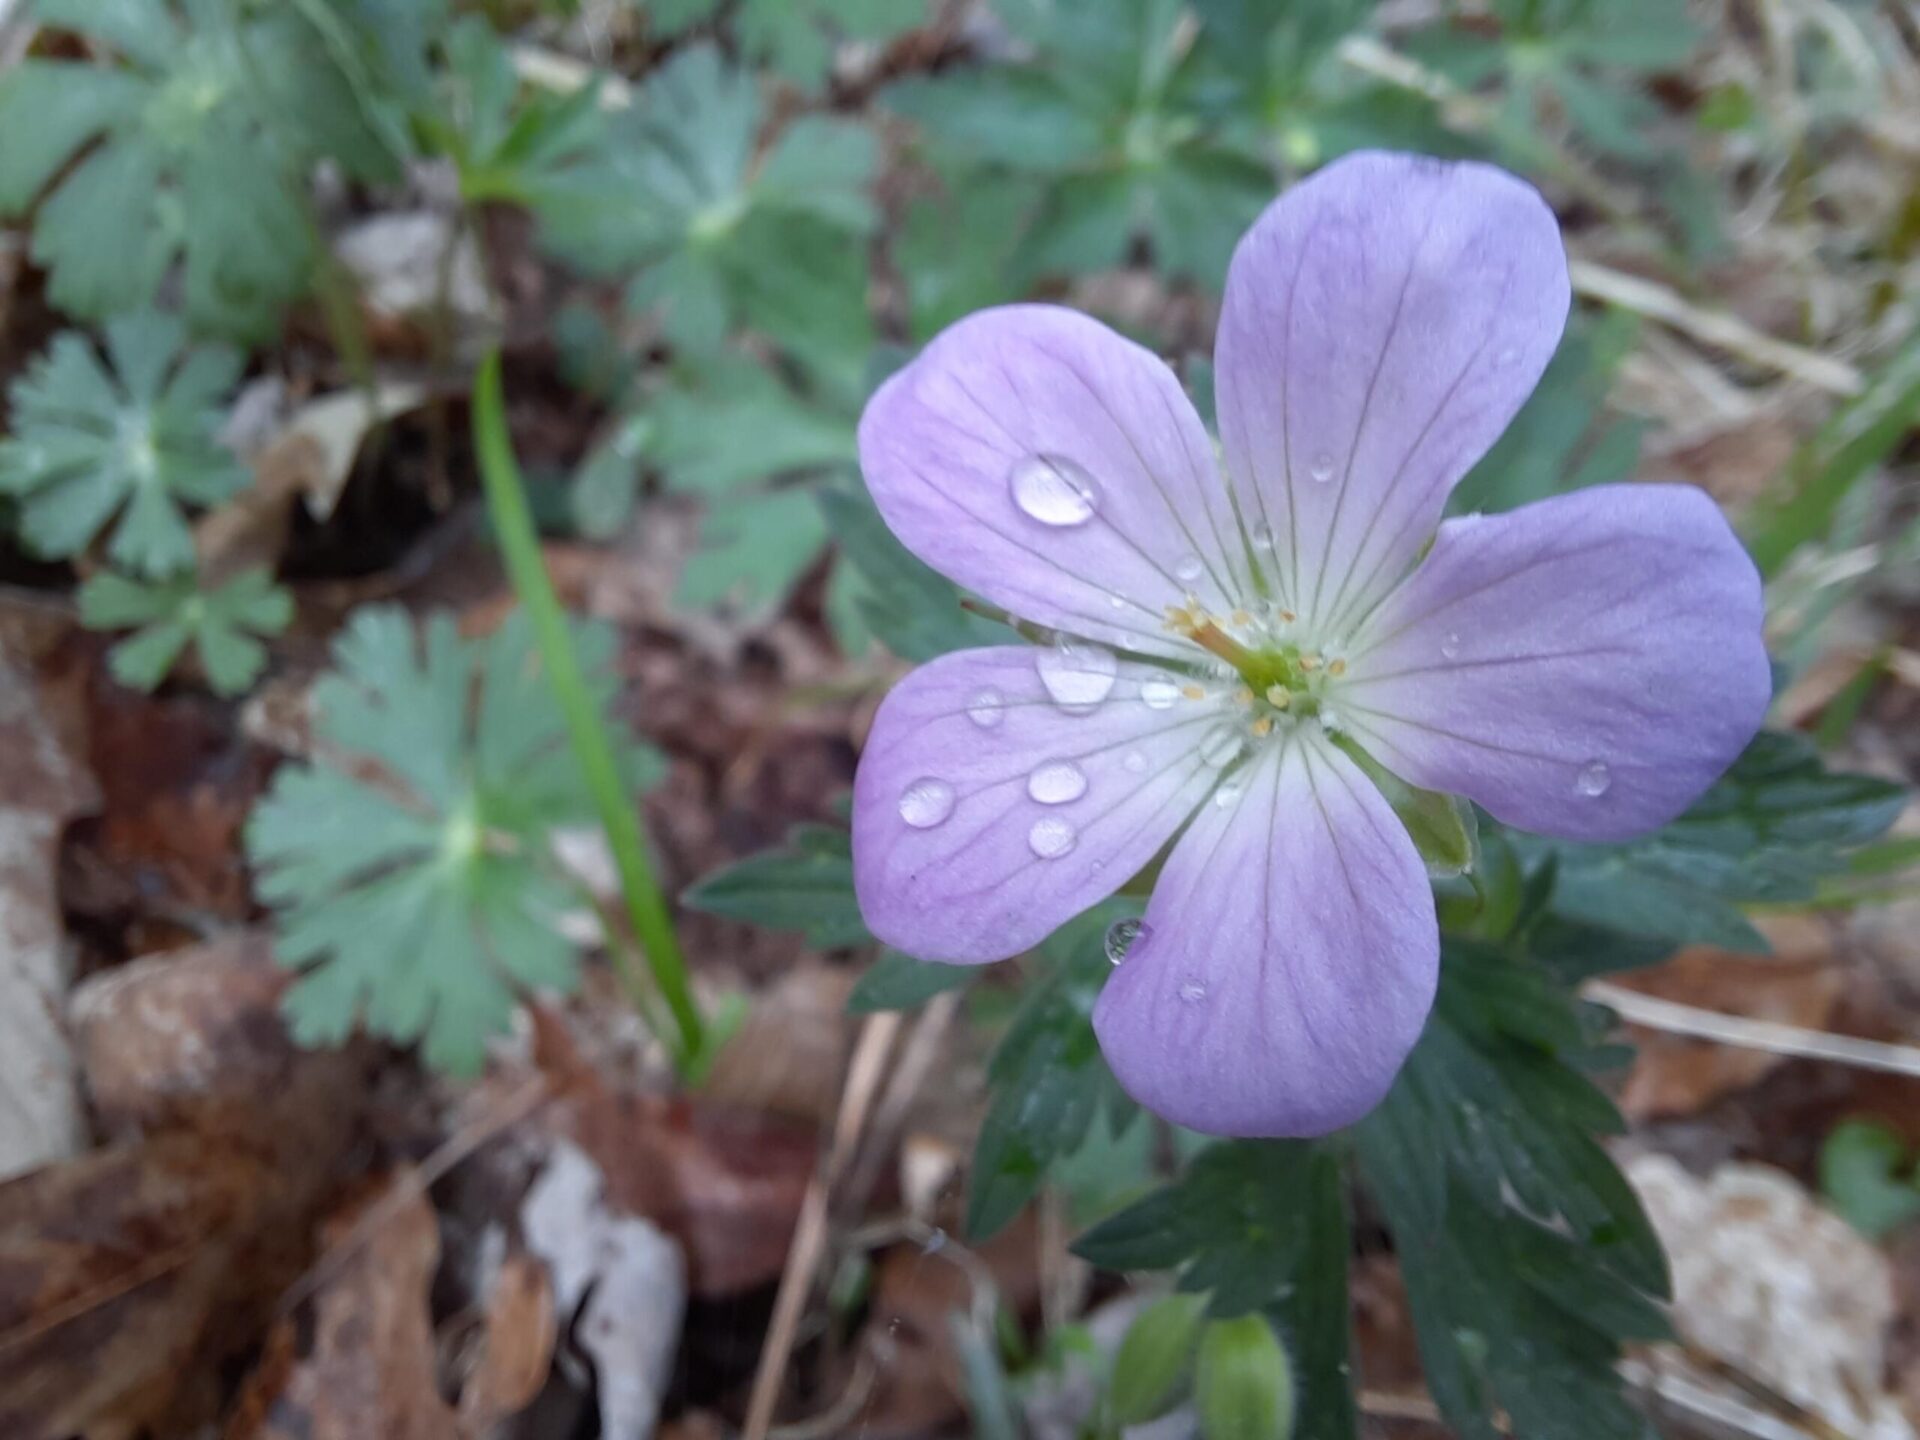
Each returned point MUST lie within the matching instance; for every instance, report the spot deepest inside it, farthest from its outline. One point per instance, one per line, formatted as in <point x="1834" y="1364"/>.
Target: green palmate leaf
<point x="1527" y="1258"/>
<point x="411" y="865"/>
<point x="754" y="548"/>
<point x="123" y="445"/>
<point x="915" y="612"/>
<point x="1867" y="1175"/>
<point x="900" y="982"/>
<point x="223" y="625"/>
<point x="204" y="135"/>
<point x="1768" y="832"/>
<point x="710" y="232"/>
<point x="807" y="887"/>
<point x="1256" y="1226"/>
<point x="1050" y="1084"/>
<point x="1121" y="124"/>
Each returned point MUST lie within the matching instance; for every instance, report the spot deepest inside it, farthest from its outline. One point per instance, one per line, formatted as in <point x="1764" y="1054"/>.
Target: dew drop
<point x="1506" y="357"/>
<point x="1078" y="676"/>
<point x="1051" y="837"/>
<point x="1057" y="782"/>
<point x="1221" y="746"/>
<point x="987" y="708"/>
<point x="1321" y="468"/>
<point x="1118" y="602"/>
<point x="1123" y="935"/>
<point x="1053" y="490"/>
<point x="1227" y="796"/>
<point x="1594" y="779"/>
<point x="1450" y="645"/>
<point x="1134" y="762"/>
<point x="1263" y="537"/>
<point x="1193" y="992"/>
<point x="1189" y="568"/>
<point x="926" y="802"/>
<point x="1159" y="691"/>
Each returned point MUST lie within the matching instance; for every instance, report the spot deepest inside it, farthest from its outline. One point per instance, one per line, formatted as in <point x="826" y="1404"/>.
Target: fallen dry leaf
<point x="42" y="787"/>
<point x="370" y="1369"/>
<point x="517" y="1347"/>
<point x="1781" y="1290"/>
<point x="1798" y="984"/>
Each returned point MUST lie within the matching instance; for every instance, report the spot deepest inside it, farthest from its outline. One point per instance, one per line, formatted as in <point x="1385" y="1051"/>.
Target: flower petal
<point x="1039" y="459"/>
<point x="1383" y="322"/>
<point x="1583" y="667"/>
<point x="1286" y="962"/>
<point x="985" y="813"/>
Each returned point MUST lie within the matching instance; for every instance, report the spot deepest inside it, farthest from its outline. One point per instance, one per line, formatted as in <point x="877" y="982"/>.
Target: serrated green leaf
<point x="1866" y="1174"/>
<point x="222" y="624"/>
<point x="806" y="887"/>
<point x="915" y="612"/>
<point x="411" y="865"/>
<point x="48" y="110"/>
<point x="753" y="548"/>
<point x="900" y="982"/>
<point x="124" y="448"/>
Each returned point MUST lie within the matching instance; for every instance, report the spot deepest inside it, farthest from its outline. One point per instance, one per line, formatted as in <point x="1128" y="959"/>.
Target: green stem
<point x="513" y="524"/>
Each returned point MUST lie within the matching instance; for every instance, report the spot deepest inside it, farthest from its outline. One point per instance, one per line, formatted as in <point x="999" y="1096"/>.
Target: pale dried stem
<point x="1674" y="1018"/>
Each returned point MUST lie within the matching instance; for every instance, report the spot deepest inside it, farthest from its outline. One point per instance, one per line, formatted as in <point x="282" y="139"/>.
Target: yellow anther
<point x="1338" y="667"/>
<point x="1242" y="619"/>
<point x="1309" y="663"/>
<point x="1288" y="616"/>
<point x="1180" y="620"/>
<point x="1279" y="696"/>
<point x="1193" y="692"/>
<point x="1243" y="696"/>
<point x="1262" y="727"/>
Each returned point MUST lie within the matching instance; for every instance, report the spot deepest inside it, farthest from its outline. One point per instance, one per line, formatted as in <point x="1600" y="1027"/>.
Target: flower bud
<point x="1154" y="1358"/>
<point x="1243" y="1382"/>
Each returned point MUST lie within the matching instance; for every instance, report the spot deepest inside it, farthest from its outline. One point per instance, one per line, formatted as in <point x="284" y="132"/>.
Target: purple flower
<point x="1583" y="667"/>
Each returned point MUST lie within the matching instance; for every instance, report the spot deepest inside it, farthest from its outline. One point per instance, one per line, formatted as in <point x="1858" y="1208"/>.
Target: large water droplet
<point x="1123" y="935"/>
<point x="1193" y="992"/>
<point x="1189" y="568"/>
<point x="1450" y="645"/>
<point x="1078" y="676"/>
<point x="926" y="802"/>
<point x="1221" y="745"/>
<point x="987" y="708"/>
<point x="1057" y="782"/>
<point x="1051" y="837"/>
<point x="1053" y="490"/>
<point x="1322" y="468"/>
<point x="1134" y="762"/>
<point x="1159" y="690"/>
<point x="1594" y="779"/>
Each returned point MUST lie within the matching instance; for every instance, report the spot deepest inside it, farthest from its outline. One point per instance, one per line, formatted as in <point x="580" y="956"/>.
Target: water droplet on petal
<point x="1594" y="779"/>
<point x="1506" y="357"/>
<point x="1134" y="762"/>
<point x="1263" y="537"/>
<point x="1051" y="837"/>
<point x="926" y="802"/>
<point x="1193" y="992"/>
<point x="1053" y="490"/>
<point x="1123" y="935"/>
<point x="1057" y="782"/>
<point x="987" y="708"/>
<point x="1322" y="468"/>
<point x="1227" y="796"/>
<point x="1189" y="568"/>
<point x="1159" y="691"/>
<point x="1078" y="676"/>
<point x="1450" y="645"/>
<point x="1221" y="745"/>
<point x="1118" y="602"/>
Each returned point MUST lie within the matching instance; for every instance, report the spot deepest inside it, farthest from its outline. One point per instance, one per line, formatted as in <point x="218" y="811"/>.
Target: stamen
<point x="1288" y="616"/>
<point x="1243" y="696"/>
<point x="1194" y="692"/>
<point x="1279" y="696"/>
<point x="1309" y="663"/>
<point x="1338" y="667"/>
<point x="1262" y="727"/>
<point x="1241" y="620"/>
